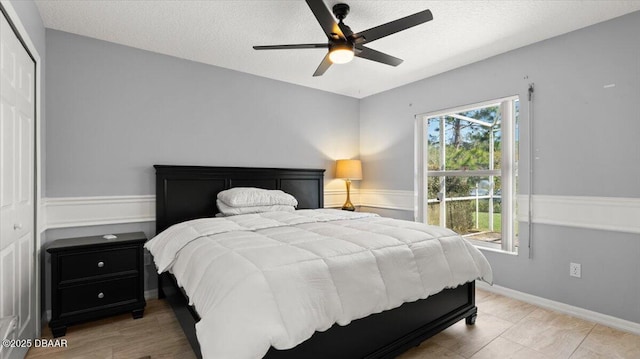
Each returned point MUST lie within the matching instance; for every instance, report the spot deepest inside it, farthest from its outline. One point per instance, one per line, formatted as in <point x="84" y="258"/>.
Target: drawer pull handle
<point x="100" y="295"/>
<point x="100" y="264"/>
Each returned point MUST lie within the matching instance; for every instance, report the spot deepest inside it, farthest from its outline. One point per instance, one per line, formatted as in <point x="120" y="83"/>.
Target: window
<point x="467" y="171"/>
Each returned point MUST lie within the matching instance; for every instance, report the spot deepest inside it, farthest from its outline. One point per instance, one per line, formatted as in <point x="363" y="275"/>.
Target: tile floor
<point x="508" y="328"/>
<point x="505" y="328"/>
<point x="156" y="335"/>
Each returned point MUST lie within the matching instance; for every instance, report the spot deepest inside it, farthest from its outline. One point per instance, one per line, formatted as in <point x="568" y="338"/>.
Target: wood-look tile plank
<point x="80" y="352"/>
<point x="156" y="335"/>
<point x="151" y="346"/>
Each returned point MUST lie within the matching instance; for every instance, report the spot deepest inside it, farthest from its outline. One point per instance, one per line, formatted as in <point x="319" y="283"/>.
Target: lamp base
<point x="348" y="207"/>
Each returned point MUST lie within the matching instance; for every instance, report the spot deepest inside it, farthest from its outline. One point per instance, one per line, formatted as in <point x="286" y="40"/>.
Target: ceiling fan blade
<point x="286" y="47"/>
<point x="326" y="20"/>
<point x="392" y="27"/>
<point x="373" y="55"/>
<point x="324" y="65"/>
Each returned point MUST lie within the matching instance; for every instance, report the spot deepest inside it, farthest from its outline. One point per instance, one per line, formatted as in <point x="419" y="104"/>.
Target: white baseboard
<point x="151" y="294"/>
<point x="604" y="319"/>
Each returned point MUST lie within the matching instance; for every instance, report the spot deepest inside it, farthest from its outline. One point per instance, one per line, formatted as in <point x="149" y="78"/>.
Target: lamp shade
<point x="349" y="169"/>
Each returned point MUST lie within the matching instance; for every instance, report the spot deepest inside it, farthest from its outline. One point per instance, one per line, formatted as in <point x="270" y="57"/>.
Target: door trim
<point x="23" y="36"/>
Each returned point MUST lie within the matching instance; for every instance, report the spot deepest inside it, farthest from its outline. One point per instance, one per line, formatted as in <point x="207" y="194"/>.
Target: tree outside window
<point x="465" y="170"/>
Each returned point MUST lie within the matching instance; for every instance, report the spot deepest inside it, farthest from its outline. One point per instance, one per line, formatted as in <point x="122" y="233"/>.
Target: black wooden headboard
<point x="189" y="192"/>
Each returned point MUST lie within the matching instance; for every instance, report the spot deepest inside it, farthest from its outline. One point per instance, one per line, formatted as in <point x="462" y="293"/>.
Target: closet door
<point x="17" y="190"/>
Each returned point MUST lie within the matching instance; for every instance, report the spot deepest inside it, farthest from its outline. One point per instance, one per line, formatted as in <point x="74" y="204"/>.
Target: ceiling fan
<point x="344" y="44"/>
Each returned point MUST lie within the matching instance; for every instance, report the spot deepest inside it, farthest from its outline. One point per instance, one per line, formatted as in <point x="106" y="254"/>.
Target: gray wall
<point x="108" y="102"/>
<point x="30" y="18"/>
<point x="586" y="137"/>
<point x="115" y="111"/>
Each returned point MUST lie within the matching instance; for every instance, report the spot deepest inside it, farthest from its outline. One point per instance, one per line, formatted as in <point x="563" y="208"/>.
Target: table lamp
<point x="349" y="170"/>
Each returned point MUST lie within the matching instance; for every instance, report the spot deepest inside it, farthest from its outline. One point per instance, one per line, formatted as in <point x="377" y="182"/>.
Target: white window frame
<point x="508" y="170"/>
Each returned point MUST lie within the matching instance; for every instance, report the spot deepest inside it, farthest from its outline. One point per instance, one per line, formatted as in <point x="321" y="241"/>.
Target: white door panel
<point x="8" y="293"/>
<point x="7" y="124"/>
<point x="26" y="325"/>
<point x="17" y="188"/>
<point x="7" y="264"/>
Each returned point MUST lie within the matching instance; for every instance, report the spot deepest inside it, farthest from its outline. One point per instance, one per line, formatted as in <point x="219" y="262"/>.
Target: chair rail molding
<point x="69" y="212"/>
<point x="65" y="212"/>
<point x="387" y="199"/>
<point x="602" y="213"/>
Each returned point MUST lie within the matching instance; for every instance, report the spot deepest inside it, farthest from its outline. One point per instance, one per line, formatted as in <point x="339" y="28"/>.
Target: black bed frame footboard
<point x="381" y="335"/>
<point x="189" y="192"/>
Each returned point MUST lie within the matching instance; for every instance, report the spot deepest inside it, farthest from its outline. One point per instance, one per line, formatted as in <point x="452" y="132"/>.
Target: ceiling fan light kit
<point x="343" y="44"/>
<point x="341" y="53"/>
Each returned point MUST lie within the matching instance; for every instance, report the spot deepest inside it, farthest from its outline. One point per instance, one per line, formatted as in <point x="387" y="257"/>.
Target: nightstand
<point x="93" y="277"/>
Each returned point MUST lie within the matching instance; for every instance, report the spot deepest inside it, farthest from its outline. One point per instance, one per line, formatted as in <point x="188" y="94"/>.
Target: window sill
<point x="490" y="248"/>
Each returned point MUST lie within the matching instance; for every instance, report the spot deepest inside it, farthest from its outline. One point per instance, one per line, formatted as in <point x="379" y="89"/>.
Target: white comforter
<point x="273" y="279"/>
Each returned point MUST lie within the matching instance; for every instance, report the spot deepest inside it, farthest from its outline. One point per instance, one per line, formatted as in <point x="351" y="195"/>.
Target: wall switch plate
<point x="575" y="270"/>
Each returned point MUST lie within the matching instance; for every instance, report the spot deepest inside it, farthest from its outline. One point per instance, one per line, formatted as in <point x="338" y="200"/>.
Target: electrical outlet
<point x="575" y="270"/>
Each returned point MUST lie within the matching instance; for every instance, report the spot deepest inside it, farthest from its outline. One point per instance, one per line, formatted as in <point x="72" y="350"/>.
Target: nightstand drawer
<point x="93" y="263"/>
<point x="98" y="294"/>
<point x="94" y="277"/>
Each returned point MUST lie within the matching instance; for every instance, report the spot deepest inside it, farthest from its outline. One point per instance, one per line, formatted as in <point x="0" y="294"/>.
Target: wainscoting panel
<point x="387" y="199"/>
<point x="335" y="198"/>
<point x="68" y="212"/>
<point x="603" y="213"/>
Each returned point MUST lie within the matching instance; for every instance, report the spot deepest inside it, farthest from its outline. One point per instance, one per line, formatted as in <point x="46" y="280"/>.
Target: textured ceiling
<point x="222" y="33"/>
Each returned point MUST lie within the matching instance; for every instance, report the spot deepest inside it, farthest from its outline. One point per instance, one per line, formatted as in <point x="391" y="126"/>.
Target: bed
<point x="185" y="193"/>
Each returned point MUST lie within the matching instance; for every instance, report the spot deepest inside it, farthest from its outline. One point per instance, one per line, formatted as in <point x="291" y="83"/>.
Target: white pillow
<point x="251" y="197"/>
<point x="232" y="211"/>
